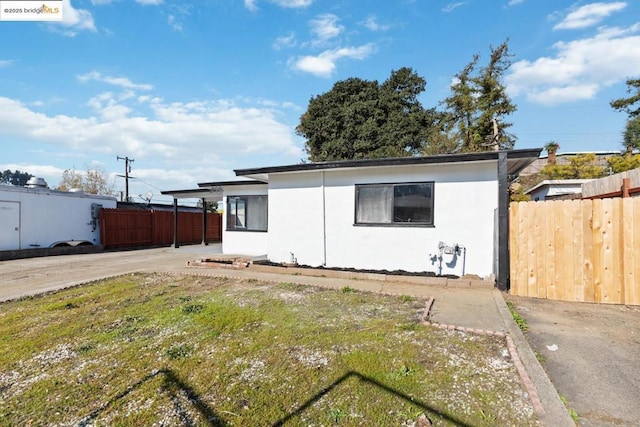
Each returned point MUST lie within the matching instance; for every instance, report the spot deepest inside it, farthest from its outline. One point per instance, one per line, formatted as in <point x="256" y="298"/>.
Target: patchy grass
<point x="572" y="413"/>
<point x="520" y="321"/>
<point x="167" y="350"/>
<point x="541" y="357"/>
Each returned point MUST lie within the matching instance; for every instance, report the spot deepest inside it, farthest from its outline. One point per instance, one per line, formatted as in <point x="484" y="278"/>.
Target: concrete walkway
<point x="483" y="309"/>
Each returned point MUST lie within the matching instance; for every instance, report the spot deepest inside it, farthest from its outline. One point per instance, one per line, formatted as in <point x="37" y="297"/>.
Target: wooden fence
<point x="576" y="250"/>
<point x="130" y="228"/>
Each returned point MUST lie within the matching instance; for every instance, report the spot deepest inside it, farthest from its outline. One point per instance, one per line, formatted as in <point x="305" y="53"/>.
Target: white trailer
<point x="37" y="217"/>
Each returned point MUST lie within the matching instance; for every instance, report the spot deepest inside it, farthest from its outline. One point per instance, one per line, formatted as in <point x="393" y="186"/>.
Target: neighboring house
<point x="556" y="189"/>
<point x="446" y="214"/>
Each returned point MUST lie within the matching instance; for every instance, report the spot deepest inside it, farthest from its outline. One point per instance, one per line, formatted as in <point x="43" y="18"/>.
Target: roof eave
<point x="519" y="159"/>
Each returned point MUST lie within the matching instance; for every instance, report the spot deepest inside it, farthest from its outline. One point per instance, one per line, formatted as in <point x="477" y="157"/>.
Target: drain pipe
<point x="324" y="225"/>
<point x="464" y="256"/>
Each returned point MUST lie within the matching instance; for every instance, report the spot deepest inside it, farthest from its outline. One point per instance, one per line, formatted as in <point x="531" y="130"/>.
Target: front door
<point x="9" y="225"/>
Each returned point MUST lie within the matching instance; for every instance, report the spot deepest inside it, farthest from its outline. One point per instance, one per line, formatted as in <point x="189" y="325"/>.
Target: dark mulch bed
<point x="356" y="270"/>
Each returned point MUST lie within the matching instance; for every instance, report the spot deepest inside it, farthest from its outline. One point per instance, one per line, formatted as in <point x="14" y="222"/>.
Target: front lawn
<point x="189" y="350"/>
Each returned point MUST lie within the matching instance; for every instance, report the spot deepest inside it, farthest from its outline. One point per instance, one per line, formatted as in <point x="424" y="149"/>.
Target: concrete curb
<point x="555" y="413"/>
<point x="237" y="263"/>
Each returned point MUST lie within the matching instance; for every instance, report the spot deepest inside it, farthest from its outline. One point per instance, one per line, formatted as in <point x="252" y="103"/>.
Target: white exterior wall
<point x="546" y="191"/>
<point x="239" y="242"/>
<point x="465" y="197"/>
<point x="46" y="217"/>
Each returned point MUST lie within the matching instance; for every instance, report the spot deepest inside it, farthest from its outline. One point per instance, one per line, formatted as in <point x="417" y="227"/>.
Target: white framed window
<point x="405" y="204"/>
<point x="247" y="213"/>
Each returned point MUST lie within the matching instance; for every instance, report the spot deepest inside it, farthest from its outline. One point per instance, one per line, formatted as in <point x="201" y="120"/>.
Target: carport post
<point x="175" y="223"/>
<point x="204" y="222"/>
<point x="503" y="222"/>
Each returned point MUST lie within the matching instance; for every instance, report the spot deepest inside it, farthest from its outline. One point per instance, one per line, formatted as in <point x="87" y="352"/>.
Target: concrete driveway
<point x="31" y="276"/>
<point x="592" y="354"/>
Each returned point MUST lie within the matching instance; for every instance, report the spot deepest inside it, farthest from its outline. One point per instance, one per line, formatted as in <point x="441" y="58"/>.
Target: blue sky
<point x="194" y="89"/>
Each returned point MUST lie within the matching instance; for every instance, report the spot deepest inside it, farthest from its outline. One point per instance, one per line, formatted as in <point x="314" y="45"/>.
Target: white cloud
<point x="284" y="41"/>
<point x="580" y="67"/>
<point x="372" y="24"/>
<point x="186" y="132"/>
<point x="325" y="27"/>
<point x="515" y="2"/>
<point x="174" y="23"/>
<point x="149" y="2"/>
<point x="178" y="14"/>
<point x="589" y="15"/>
<point x="6" y="62"/>
<point x="324" y="64"/>
<point x="293" y="4"/>
<point x="51" y="174"/>
<point x="452" y="6"/>
<point x="115" y="81"/>
<point x="73" y="21"/>
<point x="559" y="95"/>
<point x="290" y="4"/>
<point x="251" y="5"/>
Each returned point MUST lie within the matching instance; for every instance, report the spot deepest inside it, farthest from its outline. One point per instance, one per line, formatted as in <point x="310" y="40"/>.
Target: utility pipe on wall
<point x="324" y="225"/>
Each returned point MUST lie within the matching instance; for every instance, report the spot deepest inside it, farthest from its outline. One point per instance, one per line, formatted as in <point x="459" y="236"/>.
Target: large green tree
<point x="629" y="104"/>
<point x="360" y="119"/>
<point x="631" y="142"/>
<point x="479" y="104"/>
<point x="631" y="135"/>
<point x="15" y="177"/>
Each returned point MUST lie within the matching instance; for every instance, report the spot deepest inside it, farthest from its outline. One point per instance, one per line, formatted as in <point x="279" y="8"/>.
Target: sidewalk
<point x="482" y="309"/>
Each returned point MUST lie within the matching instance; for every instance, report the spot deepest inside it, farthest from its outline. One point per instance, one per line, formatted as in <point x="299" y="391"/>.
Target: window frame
<point x="392" y="223"/>
<point x="245" y="200"/>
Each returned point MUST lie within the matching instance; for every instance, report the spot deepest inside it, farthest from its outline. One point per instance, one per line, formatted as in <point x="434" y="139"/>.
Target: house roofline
<point x="209" y="190"/>
<point x="550" y="182"/>
<point x="577" y="153"/>
<point x="524" y="154"/>
<point x="230" y="183"/>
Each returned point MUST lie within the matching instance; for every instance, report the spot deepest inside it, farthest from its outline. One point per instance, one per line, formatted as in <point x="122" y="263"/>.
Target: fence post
<point x="626" y="184"/>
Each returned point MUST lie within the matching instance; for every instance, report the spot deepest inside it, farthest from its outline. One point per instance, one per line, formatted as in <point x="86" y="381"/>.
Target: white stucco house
<point x="445" y="214"/>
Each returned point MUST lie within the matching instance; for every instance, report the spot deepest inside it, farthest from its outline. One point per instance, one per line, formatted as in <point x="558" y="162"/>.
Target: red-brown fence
<point x="129" y="228"/>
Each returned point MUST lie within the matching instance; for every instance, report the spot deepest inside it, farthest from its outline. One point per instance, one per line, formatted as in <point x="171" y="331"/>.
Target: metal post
<point x="204" y="222"/>
<point x="175" y="223"/>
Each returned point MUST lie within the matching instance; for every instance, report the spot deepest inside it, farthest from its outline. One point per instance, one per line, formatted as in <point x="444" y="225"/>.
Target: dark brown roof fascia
<point x="397" y="161"/>
<point x="229" y="183"/>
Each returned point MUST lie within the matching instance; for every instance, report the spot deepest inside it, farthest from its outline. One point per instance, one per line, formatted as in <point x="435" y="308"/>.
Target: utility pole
<point x="127" y="171"/>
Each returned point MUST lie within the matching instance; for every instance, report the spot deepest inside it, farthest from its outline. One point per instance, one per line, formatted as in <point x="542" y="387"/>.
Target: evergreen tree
<point x="479" y="104"/>
<point x="16" y="177"/>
